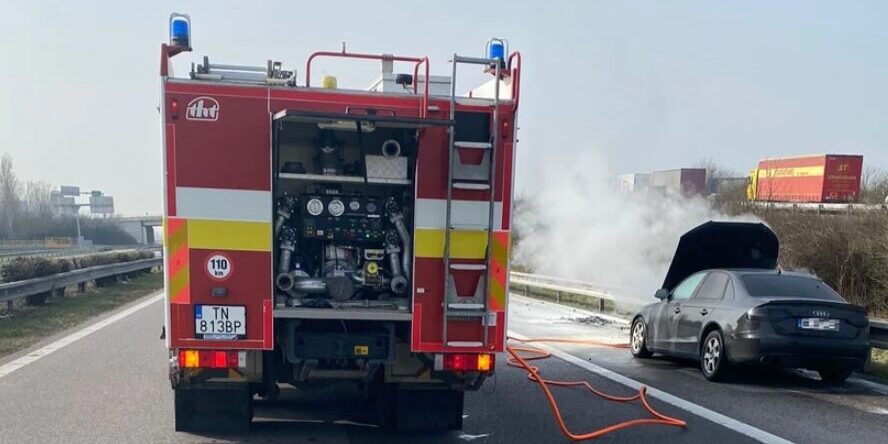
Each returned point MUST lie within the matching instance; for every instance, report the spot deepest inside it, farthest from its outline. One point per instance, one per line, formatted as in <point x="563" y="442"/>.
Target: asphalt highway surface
<point x="106" y="382"/>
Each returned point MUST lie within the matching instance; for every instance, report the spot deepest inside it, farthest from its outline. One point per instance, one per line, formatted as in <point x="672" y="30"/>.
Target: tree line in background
<point x="849" y="251"/>
<point x="26" y="212"/>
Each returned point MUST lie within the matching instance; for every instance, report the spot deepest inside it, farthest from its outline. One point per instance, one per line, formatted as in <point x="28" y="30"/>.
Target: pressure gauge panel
<point x="342" y="217"/>
<point x="314" y="207"/>
<point x="336" y="208"/>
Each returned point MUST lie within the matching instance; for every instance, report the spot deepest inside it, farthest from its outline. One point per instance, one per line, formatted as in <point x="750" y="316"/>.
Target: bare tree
<point x="9" y="201"/>
<point x="873" y="185"/>
<point x="38" y="200"/>
<point x="715" y="174"/>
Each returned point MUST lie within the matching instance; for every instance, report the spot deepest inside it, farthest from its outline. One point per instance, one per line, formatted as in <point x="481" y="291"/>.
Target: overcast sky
<point x="644" y="84"/>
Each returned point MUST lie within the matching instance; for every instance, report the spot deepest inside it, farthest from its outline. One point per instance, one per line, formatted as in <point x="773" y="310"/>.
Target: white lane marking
<point x="688" y="406"/>
<point x="467" y="437"/>
<point x="16" y="364"/>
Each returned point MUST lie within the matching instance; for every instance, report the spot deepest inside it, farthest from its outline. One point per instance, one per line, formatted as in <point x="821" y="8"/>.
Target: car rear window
<point x="781" y="285"/>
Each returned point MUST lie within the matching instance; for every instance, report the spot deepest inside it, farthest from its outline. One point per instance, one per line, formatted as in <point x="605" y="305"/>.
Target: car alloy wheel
<point x="711" y="355"/>
<point x="713" y="360"/>
<point x="637" y="340"/>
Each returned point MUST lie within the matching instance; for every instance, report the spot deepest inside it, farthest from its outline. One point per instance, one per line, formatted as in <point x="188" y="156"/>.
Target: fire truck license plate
<point x="217" y="322"/>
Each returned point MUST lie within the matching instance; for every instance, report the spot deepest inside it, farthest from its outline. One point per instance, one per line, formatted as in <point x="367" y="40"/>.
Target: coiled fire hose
<point x="521" y="355"/>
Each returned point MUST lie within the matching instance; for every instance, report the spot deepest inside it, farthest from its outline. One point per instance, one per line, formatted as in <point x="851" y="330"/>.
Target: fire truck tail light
<point x="212" y="359"/>
<point x="220" y="359"/>
<point x="482" y="362"/>
<point x="188" y="358"/>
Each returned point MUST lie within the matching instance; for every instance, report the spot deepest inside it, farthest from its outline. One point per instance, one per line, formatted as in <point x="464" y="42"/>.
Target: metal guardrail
<point x="821" y="207"/>
<point x="31" y="287"/>
<point x="878" y="328"/>
<point x="879" y="334"/>
<point x="559" y="286"/>
<point x="73" y="252"/>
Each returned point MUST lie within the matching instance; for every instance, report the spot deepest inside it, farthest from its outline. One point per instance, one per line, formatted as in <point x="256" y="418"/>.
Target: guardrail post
<point x="58" y="293"/>
<point x="81" y="287"/>
<point x="558" y="296"/>
<point x="601" y="305"/>
<point x="526" y="290"/>
<point x="10" y="305"/>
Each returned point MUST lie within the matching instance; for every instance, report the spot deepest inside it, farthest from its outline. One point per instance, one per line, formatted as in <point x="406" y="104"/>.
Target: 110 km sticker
<point x="219" y="266"/>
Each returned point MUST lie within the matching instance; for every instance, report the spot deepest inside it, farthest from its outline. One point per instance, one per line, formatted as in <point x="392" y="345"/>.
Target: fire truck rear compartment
<point x="343" y="223"/>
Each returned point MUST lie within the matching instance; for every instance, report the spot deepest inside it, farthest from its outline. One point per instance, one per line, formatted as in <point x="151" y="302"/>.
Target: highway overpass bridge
<point x="141" y="228"/>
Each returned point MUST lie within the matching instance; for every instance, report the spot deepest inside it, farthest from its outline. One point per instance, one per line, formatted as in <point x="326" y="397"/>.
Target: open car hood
<point x="723" y="245"/>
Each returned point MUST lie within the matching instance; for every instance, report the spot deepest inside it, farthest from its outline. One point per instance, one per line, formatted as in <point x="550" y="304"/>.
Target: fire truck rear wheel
<point x="214" y="408"/>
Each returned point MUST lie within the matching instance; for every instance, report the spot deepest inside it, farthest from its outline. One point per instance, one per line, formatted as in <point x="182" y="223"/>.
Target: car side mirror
<point x="662" y="294"/>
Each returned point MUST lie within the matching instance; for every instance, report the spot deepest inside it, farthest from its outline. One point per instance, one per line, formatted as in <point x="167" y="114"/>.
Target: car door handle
<point x="677" y="310"/>
<point x="704" y="312"/>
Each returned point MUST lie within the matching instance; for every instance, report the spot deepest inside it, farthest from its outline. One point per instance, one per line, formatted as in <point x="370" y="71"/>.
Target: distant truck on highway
<point x="687" y="181"/>
<point x="824" y="178"/>
<point x="315" y="234"/>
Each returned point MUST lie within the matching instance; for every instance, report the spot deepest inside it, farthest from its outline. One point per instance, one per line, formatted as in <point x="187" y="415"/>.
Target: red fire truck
<point x="314" y="233"/>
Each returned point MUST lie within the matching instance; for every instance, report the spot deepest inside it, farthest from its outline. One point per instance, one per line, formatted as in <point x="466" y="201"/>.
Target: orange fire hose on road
<point x="533" y="373"/>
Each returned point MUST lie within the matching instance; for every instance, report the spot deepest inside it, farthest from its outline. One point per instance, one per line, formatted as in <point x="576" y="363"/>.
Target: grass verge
<point x="27" y="325"/>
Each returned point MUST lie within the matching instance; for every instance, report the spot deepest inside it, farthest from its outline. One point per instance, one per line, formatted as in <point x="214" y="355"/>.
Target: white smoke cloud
<point x="578" y="225"/>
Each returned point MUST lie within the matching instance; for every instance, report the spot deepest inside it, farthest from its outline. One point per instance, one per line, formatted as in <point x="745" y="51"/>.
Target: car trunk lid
<point x="787" y="316"/>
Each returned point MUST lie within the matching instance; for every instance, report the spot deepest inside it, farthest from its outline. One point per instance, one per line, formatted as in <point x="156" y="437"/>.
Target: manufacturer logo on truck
<point x="202" y="108"/>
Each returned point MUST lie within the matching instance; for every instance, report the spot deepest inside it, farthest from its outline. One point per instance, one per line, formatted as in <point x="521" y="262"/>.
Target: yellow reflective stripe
<point x="176" y="243"/>
<point x="500" y="250"/>
<point x="178" y="284"/>
<point x="812" y="171"/>
<point x="175" y="231"/>
<point x="229" y="235"/>
<point x="464" y="244"/>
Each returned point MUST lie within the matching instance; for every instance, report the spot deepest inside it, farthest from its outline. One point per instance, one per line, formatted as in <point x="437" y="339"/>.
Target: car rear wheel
<point x="834" y="376"/>
<point x="638" y="340"/>
<point x="713" y="360"/>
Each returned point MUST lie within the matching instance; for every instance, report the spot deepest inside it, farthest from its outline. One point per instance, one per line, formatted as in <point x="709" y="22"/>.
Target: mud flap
<point x="213" y="408"/>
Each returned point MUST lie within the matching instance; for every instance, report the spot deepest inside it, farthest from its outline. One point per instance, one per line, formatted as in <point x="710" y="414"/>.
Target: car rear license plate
<point x="823" y="324"/>
<point x="220" y="322"/>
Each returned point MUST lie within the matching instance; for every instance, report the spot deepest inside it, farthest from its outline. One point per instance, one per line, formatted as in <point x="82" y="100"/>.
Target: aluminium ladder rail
<point x="478" y="179"/>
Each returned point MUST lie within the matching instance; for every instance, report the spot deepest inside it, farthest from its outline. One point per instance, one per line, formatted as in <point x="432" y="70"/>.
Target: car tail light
<point x="466" y="362"/>
<point x="212" y="359"/>
<point x="753" y="319"/>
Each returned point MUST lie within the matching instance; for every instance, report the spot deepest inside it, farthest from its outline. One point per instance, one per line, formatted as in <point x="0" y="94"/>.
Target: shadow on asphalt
<point x="764" y="377"/>
<point x="337" y="413"/>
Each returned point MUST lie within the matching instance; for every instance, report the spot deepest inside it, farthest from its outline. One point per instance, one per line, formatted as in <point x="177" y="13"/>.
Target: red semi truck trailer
<point x="824" y="178"/>
<point x="317" y="234"/>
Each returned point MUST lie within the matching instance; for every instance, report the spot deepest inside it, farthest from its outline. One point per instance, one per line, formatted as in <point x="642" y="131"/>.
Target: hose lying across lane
<point x="533" y="373"/>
